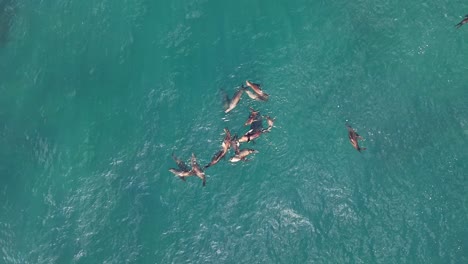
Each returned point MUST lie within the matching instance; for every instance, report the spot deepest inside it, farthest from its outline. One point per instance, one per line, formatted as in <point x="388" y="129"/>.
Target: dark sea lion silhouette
<point x="250" y="135"/>
<point x="257" y="124"/>
<point x="180" y="163"/>
<point x="354" y="137"/>
<point x="464" y="21"/>
<point x="225" y="99"/>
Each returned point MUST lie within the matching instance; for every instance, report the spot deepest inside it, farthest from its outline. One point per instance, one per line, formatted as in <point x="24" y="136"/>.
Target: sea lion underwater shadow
<point x="7" y="13"/>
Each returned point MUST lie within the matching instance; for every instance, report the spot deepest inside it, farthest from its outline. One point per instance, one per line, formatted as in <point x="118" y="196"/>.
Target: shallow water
<point x="96" y="97"/>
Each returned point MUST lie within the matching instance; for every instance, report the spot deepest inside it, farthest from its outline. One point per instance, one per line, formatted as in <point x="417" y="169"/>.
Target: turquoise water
<point x="96" y="95"/>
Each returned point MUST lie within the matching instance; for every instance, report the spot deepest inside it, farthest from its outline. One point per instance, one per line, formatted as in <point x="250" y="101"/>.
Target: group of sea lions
<point x="255" y="120"/>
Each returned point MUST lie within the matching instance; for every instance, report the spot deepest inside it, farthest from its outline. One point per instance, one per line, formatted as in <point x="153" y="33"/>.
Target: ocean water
<point x="96" y="95"/>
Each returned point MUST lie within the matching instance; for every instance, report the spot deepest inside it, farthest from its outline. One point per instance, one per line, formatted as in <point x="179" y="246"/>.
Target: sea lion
<point x="256" y="96"/>
<point x="270" y="122"/>
<point x="224" y="149"/>
<point x="256" y="88"/>
<point x="464" y="21"/>
<point x="183" y="171"/>
<point x="235" y="99"/>
<point x="235" y="144"/>
<point x="180" y="163"/>
<point x="182" y="174"/>
<point x="250" y="135"/>
<point x="257" y="125"/>
<point x="197" y="170"/>
<point x="354" y="137"/>
<point x="242" y="154"/>
<point x="253" y="115"/>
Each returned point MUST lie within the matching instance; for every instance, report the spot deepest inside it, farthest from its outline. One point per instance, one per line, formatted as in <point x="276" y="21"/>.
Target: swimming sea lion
<point x="235" y="99"/>
<point x="464" y="21"/>
<point x="197" y="170"/>
<point x="250" y="135"/>
<point x="256" y="88"/>
<point x="353" y="138"/>
<point x="182" y="174"/>
<point x="235" y="144"/>
<point x="180" y="163"/>
<point x="242" y="155"/>
<point x="224" y="149"/>
<point x="270" y="122"/>
<point x="256" y="96"/>
<point x="257" y="124"/>
<point x="183" y="171"/>
<point x="253" y="115"/>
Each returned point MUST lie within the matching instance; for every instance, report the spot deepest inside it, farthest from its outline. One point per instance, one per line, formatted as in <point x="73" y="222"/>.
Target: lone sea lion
<point x="224" y="149"/>
<point x="464" y="21"/>
<point x="353" y="138"/>
<point x="256" y="88"/>
<point x="197" y="170"/>
<point x="235" y="99"/>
